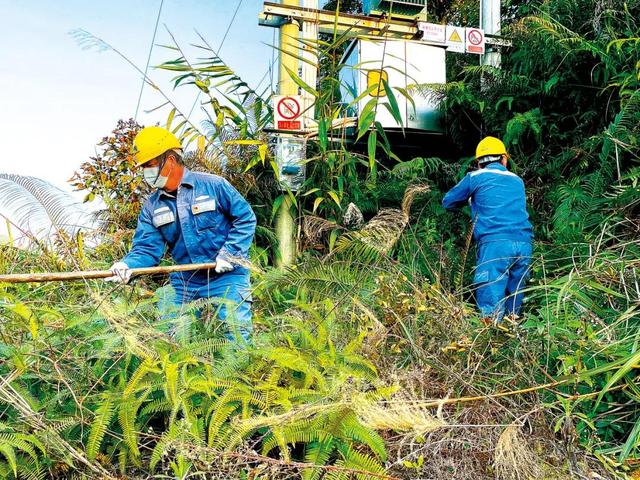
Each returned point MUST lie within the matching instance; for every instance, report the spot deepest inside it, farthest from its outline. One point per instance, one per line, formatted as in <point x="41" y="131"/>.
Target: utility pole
<point x="310" y="63"/>
<point x="490" y="23"/>
<point x="288" y="59"/>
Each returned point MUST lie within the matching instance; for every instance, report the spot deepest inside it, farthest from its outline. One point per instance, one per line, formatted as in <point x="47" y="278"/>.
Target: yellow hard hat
<point x="151" y="142"/>
<point x="490" y="146"/>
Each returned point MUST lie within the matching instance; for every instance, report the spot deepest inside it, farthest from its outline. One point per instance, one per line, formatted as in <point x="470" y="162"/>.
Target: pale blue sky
<point x="58" y="100"/>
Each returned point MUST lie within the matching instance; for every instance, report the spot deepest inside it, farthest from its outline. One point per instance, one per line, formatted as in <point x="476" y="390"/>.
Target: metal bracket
<point x="326" y="20"/>
<point x="497" y="41"/>
<point x="276" y="15"/>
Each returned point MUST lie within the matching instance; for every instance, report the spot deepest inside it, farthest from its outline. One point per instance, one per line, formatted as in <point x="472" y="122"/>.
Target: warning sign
<point x="475" y="41"/>
<point x="286" y="112"/>
<point x="455" y="39"/>
<point x="433" y="32"/>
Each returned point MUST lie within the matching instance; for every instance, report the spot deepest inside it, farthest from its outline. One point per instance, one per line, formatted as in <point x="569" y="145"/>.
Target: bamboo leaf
<point x="372" y="143"/>
<point x="367" y="117"/>
<point x="277" y="203"/>
<point x="316" y="203"/>
<point x="629" y="365"/>
<point x="301" y="83"/>
<point x="172" y="113"/>
<point x="393" y="103"/>
<point x="334" y="197"/>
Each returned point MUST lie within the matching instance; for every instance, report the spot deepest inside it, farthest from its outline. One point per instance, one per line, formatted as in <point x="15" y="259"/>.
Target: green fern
<point x="14" y="444"/>
<point x="317" y="452"/>
<point x="103" y="415"/>
<point x="127" y="415"/>
<point x="354" y="460"/>
<point x="177" y="434"/>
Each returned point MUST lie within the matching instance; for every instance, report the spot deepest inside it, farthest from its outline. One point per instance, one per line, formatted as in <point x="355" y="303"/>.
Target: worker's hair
<point x="487" y="159"/>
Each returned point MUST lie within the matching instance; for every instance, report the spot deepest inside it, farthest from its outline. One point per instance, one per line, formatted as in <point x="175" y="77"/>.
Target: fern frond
<point x="352" y="430"/>
<point x="9" y="453"/>
<point x="33" y="470"/>
<point x="147" y="366"/>
<point x="164" y="444"/>
<point x="159" y="405"/>
<point x="103" y="416"/>
<point x="127" y="414"/>
<point x="317" y="453"/>
<point x="208" y="347"/>
<point x="216" y="431"/>
<point x="172" y="382"/>
<point x="357" y="461"/>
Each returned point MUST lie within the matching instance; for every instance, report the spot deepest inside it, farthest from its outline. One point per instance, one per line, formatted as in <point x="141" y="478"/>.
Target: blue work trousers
<point x="501" y="273"/>
<point x="229" y="292"/>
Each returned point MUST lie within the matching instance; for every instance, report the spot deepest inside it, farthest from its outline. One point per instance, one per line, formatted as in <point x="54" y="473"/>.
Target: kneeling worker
<point x="201" y="218"/>
<point x="502" y="230"/>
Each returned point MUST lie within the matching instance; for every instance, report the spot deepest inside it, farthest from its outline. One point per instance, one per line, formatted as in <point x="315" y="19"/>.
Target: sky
<point x="57" y="100"/>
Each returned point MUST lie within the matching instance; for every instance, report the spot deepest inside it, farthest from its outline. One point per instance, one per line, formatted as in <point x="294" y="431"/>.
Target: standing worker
<point x="201" y="218"/>
<point x="501" y="229"/>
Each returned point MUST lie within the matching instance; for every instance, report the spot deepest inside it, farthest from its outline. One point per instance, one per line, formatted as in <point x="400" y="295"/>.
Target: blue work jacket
<point x="498" y="204"/>
<point x="205" y="219"/>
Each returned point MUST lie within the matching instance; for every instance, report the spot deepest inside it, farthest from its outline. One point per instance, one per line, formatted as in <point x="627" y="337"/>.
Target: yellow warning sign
<point x="455" y="37"/>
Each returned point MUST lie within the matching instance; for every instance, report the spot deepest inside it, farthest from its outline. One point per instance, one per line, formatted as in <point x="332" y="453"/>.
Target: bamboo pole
<point x="91" y="274"/>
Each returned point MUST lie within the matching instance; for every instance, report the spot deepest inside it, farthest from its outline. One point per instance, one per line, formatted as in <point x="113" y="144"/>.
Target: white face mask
<point x="152" y="177"/>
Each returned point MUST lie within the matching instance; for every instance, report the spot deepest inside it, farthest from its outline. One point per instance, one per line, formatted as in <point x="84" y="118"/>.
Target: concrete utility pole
<point x="490" y="23"/>
<point x="310" y="65"/>
<point x="285" y="221"/>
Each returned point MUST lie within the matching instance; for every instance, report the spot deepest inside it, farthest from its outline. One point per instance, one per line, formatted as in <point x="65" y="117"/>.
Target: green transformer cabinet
<point x="397" y="8"/>
<point x="407" y="66"/>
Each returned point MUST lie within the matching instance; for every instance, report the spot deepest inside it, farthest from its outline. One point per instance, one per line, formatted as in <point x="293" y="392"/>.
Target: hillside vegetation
<point x="369" y="360"/>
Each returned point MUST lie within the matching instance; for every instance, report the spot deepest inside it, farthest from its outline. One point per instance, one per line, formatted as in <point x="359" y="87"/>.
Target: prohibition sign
<point x="288" y="108"/>
<point x="474" y="37"/>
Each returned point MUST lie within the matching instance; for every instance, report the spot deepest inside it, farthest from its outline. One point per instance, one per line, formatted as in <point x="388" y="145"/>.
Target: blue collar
<point x="496" y="166"/>
<point x="187" y="179"/>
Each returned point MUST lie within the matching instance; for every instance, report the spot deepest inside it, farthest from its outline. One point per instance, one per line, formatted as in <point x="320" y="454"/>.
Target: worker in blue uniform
<point x="200" y="218"/>
<point x="502" y="230"/>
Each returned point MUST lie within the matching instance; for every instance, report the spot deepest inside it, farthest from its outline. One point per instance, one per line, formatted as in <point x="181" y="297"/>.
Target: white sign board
<point x="455" y="39"/>
<point x="475" y="40"/>
<point x="287" y="112"/>
<point x="433" y="32"/>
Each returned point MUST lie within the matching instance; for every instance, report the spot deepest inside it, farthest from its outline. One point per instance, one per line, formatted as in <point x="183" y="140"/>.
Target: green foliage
<point x="207" y="393"/>
<point x="20" y="452"/>
<point x="565" y="102"/>
<point x="111" y="176"/>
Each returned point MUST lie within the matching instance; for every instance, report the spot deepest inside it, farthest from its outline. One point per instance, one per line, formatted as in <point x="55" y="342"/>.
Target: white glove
<point x="121" y="273"/>
<point x="222" y="266"/>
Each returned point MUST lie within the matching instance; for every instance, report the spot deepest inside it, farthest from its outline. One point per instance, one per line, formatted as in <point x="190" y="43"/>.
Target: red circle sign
<point x="475" y="37"/>
<point x="288" y="108"/>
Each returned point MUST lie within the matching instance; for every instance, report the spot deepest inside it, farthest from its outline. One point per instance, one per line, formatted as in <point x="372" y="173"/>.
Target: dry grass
<point x="513" y="457"/>
<point x="400" y="415"/>
<point x="316" y="228"/>
<point x="383" y="231"/>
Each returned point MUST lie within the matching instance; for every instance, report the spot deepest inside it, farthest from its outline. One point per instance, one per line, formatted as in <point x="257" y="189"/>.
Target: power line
<point x="229" y="26"/>
<point x="144" y="79"/>
<point x="224" y="37"/>
<point x="273" y="59"/>
<point x="268" y="73"/>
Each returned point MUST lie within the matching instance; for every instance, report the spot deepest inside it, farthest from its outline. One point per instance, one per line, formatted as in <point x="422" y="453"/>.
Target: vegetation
<point x="368" y="360"/>
<point x="111" y="177"/>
